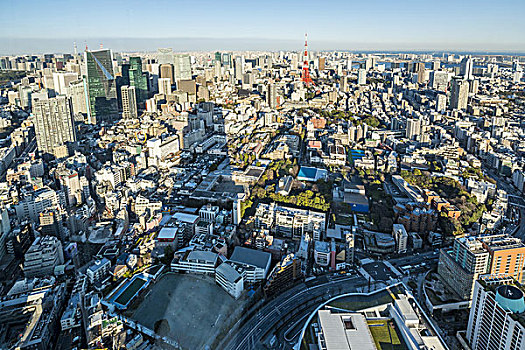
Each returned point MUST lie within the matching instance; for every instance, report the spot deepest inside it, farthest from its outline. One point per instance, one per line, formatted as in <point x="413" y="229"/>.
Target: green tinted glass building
<point x="101" y="87"/>
<point x="137" y="79"/>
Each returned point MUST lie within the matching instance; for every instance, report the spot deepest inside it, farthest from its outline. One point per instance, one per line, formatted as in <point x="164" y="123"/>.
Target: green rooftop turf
<point x="130" y="291"/>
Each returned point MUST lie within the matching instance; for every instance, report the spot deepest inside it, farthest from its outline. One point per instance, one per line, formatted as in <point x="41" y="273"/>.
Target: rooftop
<point x="251" y="257"/>
<point x="345" y="331"/>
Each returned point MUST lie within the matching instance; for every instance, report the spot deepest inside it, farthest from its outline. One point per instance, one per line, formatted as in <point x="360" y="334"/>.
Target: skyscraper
<point x="459" y="93"/>
<point x="238" y="68"/>
<point x="53" y="121"/>
<point x="138" y="79"/>
<point x="101" y="86"/>
<point x="61" y="81"/>
<point x="182" y="64"/>
<point x="467" y="66"/>
<point x="166" y="71"/>
<point x="439" y="80"/>
<point x="78" y="94"/>
<point x="361" y="77"/>
<point x="497" y="315"/>
<point x="420" y="70"/>
<point x="369" y="64"/>
<point x="129" y="102"/>
<point x="165" y="56"/>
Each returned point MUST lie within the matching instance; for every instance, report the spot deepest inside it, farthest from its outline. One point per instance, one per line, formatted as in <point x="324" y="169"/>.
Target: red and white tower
<point x="306" y="73"/>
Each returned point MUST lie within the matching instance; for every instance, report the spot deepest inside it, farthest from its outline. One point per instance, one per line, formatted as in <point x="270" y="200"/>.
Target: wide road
<point x="255" y="328"/>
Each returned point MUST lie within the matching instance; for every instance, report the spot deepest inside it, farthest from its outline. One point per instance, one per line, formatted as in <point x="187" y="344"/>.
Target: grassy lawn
<point x="385" y="335"/>
<point x="358" y="302"/>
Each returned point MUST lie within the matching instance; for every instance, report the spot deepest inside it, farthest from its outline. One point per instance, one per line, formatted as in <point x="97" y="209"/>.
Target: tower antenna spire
<point x="306" y="72"/>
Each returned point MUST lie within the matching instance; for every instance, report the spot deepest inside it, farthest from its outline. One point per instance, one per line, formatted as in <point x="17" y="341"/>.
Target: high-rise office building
<point x="420" y="71"/>
<point x="439" y="80"/>
<point x="61" y="81"/>
<point x="459" y="89"/>
<point x="413" y="128"/>
<point x="349" y="64"/>
<point x="322" y="63"/>
<point x="53" y="120"/>
<point x="166" y="72"/>
<point x="238" y="68"/>
<point x="77" y="92"/>
<point x="24" y="94"/>
<point x="101" y="86"/>
<point x="227" y="59"/>
<point x="129" y="102"/>
<point x="165" y="86"/>
<point x="165" y="56"/>
<point x="137" y="79"/>
<point x="497" y="315"/>
<point x="369" y="64"/>
<point x="361" y="77"/>
<point x="182" y="64"/>
<point x="467" y="67"/>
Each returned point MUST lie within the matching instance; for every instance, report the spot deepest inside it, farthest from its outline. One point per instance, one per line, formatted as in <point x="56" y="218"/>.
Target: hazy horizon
<point x="36" y="46"/>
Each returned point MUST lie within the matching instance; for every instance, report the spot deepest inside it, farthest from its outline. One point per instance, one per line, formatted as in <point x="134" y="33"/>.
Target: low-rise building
<point x="255" y="263"/>
<point x="195" y="261"/>
<point x="230" y="276"/>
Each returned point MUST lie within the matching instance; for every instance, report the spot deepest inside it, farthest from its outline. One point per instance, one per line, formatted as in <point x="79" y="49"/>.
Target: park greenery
<point x="317" y="196"/>
<point x="381" y="203"/>
<point x="455" y="193"/>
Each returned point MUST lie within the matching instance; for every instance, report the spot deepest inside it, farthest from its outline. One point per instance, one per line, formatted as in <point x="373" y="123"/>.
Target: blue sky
<point x="338" y="24"/>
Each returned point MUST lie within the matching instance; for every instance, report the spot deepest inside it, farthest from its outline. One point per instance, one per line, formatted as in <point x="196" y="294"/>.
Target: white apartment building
<point x="98" y="270"/>
<point x="497" y="315"/>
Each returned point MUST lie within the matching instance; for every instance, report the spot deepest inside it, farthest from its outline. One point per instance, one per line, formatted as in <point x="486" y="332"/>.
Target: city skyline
<point x="291" y="175"/>
<point x="229" y="25"/>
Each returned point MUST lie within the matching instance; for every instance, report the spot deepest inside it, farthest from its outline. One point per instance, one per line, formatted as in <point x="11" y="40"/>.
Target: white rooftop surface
<point x="186" y="218"/>
<point x="433" y="343"/>
<point x="228" y="272"/>
<point x="339" y="338"/>
<point x="167" y="233"/>
<point x="206" y="256"/>
<point x="406" y="310"/>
